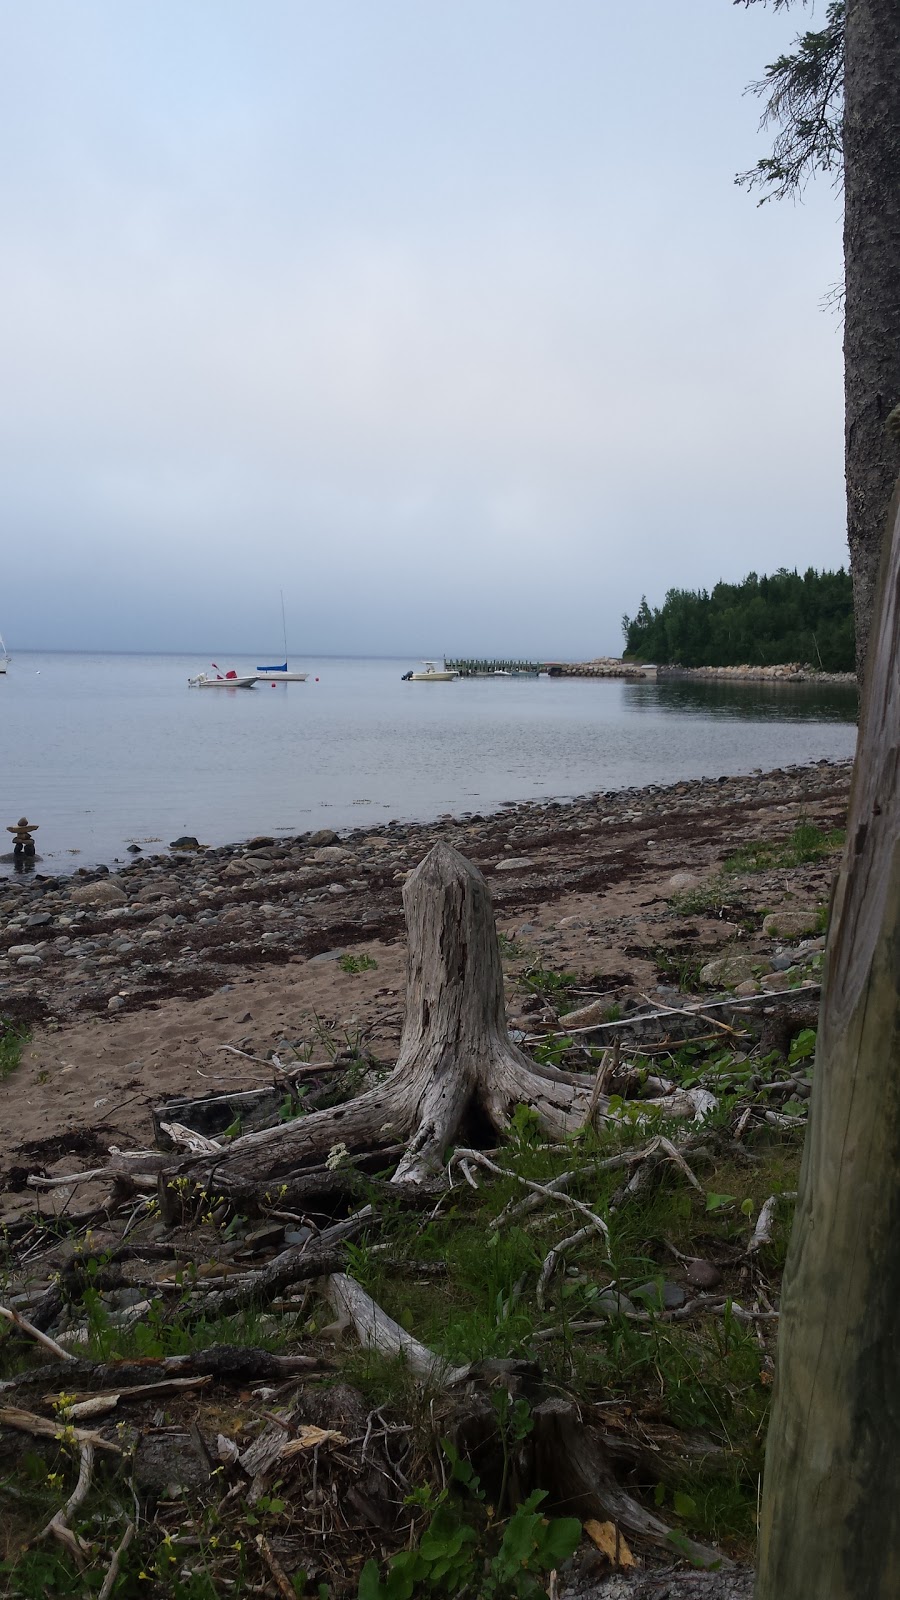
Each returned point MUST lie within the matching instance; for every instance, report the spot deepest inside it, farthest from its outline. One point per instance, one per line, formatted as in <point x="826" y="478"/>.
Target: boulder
<point x="726" y="971"/>
<point x="790" y="924"/>
<point x="330" y="855"/>
<point x="103" y="893"/>
<point x="323" y="836"/>
<point x="680" y="881"/>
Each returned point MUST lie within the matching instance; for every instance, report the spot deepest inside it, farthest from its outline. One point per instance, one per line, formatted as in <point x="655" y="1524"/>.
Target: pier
<point x="602" y="667"/>
<point x="493" y="669"/>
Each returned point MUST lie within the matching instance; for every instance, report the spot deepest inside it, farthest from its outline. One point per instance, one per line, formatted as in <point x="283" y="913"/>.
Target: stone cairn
<point x="23" y="844"/>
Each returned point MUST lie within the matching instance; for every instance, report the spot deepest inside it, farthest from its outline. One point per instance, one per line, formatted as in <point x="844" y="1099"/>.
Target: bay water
<point x="104" y="750"/>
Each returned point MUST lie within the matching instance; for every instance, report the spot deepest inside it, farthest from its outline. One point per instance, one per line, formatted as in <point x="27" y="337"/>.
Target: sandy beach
<point x="132" y="984"/>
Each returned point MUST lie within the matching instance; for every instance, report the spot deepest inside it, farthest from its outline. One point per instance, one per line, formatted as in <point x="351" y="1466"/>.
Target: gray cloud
<point x="450" y="322"/>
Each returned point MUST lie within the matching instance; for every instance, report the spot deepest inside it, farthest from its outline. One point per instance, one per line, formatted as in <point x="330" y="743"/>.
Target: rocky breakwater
<point x="787" y="672"/>
<point x="188" y="922"/>
<point x="602" y="667"/>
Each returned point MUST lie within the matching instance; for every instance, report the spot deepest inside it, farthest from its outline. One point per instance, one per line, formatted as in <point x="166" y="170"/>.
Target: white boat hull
<point x="203" y="682"/>
<point x="432" y="677"/>
<point x="281" y="677"/>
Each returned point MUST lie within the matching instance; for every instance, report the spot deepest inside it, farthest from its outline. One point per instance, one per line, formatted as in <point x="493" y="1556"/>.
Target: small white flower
<point x="336" y="1155"/>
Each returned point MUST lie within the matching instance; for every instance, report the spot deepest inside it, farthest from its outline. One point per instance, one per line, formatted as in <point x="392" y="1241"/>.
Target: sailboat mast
<point x="283" y="625"/>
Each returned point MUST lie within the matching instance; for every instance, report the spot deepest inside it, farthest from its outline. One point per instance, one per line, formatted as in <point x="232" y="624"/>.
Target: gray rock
<point x="609" y="1303"/>
<point x="515" y="864"/>
<point x="103" y="893"/>
<point x="664" y="1297"/>
<point x="702" y="1274"/>
<point x="790" y="924"/>
<point x="680" y="881"/>
<point x="324" y="836"/>
<point x="29" y="961"/>
<point x="782" y="961"/>
<point x="297" y="1235"/>
<point x="186" y="841"/>
<point x="728" y="970"/>
<point x="115" y="1003"/>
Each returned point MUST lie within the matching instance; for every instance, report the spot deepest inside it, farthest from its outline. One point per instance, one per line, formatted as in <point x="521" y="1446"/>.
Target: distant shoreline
<point x="789" y="672"/>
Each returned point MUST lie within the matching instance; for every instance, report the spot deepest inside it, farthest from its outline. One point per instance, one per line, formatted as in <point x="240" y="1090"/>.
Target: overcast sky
<point x="444" y="316"/>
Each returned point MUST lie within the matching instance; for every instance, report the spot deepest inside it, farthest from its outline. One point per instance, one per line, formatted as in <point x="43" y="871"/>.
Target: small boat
<point x="430" y="675"/>
<point x="5" y="657"/>
<point x="227" y="680"/>
<point x="280" y="674"/>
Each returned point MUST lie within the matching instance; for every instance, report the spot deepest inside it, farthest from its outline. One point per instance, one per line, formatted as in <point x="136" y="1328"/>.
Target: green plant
<point x="806" y="843"/>
<point x="679" y="968"/>
<point x="12" y="1042"/>
<point x="362" y="963"/>
<point x="549" y="985"/>
<point x="466" y="1552"/>
<point x="803" y="1047"/>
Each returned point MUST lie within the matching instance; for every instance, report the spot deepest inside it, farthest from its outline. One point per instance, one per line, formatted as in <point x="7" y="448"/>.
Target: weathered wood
<point x="570" y="1457"/>
<point x="830" y="1522"/>
<point x="455" y="1055"/>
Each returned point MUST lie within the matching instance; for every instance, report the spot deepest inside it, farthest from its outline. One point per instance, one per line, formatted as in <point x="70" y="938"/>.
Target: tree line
<point x="763" y="621"/>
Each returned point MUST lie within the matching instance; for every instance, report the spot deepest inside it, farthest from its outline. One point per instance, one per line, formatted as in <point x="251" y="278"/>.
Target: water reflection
<point x="750" y="701"/>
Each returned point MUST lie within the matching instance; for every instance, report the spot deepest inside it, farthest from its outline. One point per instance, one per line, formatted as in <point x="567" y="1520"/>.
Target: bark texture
<point x="830" y="1523"/>
<point x="871" y="139"/>
<point x="456" y="1057"/>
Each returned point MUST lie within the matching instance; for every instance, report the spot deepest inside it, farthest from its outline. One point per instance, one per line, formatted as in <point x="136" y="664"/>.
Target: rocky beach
<point x="131" y="984"/>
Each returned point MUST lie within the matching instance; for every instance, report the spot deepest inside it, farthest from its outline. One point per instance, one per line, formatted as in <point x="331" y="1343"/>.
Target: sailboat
<point x="5" y="657"/>
<point x="280" y="674"/>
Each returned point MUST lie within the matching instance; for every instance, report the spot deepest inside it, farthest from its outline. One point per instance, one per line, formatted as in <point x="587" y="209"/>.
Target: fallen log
<point x="226" y="1364"/>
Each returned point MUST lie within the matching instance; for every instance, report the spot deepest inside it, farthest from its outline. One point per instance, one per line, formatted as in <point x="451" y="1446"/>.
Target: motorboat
<point x="431" y="675"/>
<point x="228" y="680"/>
<point x="5" y="657"/>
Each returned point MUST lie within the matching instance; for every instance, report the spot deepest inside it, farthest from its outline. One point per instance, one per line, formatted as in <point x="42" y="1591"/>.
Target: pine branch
<point x="803" y="95"/>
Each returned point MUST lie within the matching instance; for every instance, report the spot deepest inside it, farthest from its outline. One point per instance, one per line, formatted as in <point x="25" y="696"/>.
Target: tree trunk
<point x="871" y="139"/>
<point x="455" y="1055"/>
<point x="830" y="1524"/>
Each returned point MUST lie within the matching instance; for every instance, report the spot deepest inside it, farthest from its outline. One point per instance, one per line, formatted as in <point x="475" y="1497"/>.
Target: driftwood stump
<point x="830" y="1523"/>
<point x="456" y="1056"/>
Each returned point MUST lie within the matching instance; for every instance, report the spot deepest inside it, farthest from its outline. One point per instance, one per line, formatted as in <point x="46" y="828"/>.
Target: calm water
<point x="102" y="750"/>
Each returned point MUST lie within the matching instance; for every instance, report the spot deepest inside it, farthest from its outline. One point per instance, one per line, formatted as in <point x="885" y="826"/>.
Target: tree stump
<point x="456" y="1056"/>
<point x="830" y="1525"/>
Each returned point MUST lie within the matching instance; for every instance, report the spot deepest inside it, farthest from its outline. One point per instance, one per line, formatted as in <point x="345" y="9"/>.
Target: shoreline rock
<point x="786" y="672"/>
<point x="183" y="923"/>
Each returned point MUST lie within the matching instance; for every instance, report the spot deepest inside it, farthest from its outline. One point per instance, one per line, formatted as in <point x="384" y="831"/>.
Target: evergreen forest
<point x="762" y="621"/>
